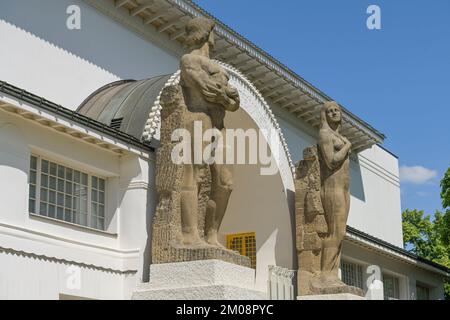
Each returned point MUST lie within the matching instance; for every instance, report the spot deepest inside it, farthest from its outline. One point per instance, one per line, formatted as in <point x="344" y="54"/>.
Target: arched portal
<point x="259" y="204"/>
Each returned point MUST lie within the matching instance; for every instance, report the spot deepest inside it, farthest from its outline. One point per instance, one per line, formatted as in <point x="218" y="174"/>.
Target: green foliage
<point x="445" y="187"/>
<point x="430" y="238"/>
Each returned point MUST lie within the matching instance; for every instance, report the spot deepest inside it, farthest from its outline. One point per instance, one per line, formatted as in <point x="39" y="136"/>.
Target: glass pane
<point x="32" y="192"/>
<point x="44" y="195"/>
<point x="101" y="183"/>
<point x="101" y="211"/>
<point x="61" y="171"/>
<point x="68" y="215"/>
<point x="94" y="209"/>
<point x="76" y="204"/>
<point x="101" y="223"/>
<point x="69" y="188"/>
<point x="83" y="193"/>
<point x="53" y="169"/>
<point x="60" y="201"/>
<point x="77" y="176"/>
<point x="84" y="179"/>
<point x="94" y="182"/>
<point x="43" y="209"/>
<point x="69" y="174"/>
<point x="44" y="166"/>
<point x="94" y="194"/>
<point x="60" y="213"/>
<point x="60" y="185"/>
<point x="52" y="183"/>
<point x="52" y="211"/>
<point x="77" y="190"/>
<point x="44" y="180"/>
<point x="52" y="197"/>
<point x="93" y="222"/>
<point x="83" y="219"/>
<point x="32" y="206"/>
<point x="33" y="177"/>
<point x="83" y="206"/>
<point x="68" y="202"/>
<point x="33" y="163"/>
<point x="101" y="197"/>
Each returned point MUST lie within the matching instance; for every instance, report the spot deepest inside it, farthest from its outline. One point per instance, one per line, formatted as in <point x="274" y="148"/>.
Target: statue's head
<point x="310" y="153"/>
<point x="331" y="115"/>
<point x="199" y="31"/>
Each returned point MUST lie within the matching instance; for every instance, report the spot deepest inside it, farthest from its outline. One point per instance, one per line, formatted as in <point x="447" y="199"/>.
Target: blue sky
<point x="397" y="78"/>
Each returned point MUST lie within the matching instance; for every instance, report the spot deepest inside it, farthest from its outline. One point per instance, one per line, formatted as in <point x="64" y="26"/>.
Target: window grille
<point x="66" y="194"/>
<point x="351" y="274"/>
<point x="245" y="244"/>
<point x="422" y="292"/>
<point x="391" y="287"/>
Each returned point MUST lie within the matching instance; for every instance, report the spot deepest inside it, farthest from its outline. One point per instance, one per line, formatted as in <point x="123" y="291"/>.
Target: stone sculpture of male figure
<point x="206" y="91"/>
<point x="193" y="195"/>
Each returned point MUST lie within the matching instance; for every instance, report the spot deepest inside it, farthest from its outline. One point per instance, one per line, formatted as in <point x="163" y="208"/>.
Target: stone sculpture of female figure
<point x="334" y="150"/>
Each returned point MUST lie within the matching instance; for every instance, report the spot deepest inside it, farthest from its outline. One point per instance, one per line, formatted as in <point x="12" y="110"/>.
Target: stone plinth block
<point x="337" y="296"/>
<point x="199" y="280"/>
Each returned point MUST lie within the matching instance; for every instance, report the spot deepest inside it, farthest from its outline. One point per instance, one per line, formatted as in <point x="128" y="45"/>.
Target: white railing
<point x="280" y="285"/>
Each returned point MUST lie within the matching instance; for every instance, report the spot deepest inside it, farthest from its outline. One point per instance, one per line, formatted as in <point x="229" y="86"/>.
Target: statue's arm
<point x="214" y="92"/>
<point x="194" y="72"/>
<point x="332" y="158"/>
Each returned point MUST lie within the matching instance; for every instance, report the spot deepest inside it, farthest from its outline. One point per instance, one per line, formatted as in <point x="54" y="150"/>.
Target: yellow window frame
<point x="247" y="246"/>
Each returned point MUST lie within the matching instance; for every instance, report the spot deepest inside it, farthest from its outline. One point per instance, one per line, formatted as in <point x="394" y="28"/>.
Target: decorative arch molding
<point x="253" y="103"/>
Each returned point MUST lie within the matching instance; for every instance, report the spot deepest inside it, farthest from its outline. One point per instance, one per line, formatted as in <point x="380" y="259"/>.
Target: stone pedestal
<point x="337" y="296"/>
<point x="199" y="280"/>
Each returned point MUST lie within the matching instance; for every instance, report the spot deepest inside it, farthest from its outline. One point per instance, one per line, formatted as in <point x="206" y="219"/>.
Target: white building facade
<point x="77" y="183"/>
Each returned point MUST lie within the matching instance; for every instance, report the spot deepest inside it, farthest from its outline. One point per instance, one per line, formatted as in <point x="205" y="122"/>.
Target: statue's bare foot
<point x="211" y="238"/>
<point x="327" y="282"/>
<point x="190" y="240"/>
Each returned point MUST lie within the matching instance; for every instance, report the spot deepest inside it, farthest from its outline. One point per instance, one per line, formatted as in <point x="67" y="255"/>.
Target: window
<point x="422" y="292"/>
<point x="245" y="244"/>
<point x="351" y="274"/>
<point x="66" y="194"/>
<point x="391" y="287"/>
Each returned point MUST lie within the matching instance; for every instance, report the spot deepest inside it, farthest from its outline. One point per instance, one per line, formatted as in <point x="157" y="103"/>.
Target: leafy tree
<point x="445" y="187"/>
<point x="430" y="238"/>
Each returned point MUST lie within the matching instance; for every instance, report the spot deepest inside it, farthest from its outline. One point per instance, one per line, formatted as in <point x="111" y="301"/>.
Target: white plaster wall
<point x="40" y="55"/>
<point x="408" y="274"/>
<point x="120" y="248"/>
<point x="375" y="204"/>
<point x="26" y="277"/>
<point x="374" y="183"/>
<point x="259" y="204"/>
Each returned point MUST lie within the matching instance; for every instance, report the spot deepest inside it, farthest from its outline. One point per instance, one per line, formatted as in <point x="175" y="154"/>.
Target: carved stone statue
<point x="193" y="197"/>
<point x="322" y="203"/>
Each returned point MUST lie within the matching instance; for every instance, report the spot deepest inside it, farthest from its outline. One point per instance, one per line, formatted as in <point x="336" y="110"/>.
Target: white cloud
<point x="416" y="174"/>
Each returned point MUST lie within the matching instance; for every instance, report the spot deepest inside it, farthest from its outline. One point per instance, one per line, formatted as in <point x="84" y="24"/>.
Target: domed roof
<point x="124" y="105"/>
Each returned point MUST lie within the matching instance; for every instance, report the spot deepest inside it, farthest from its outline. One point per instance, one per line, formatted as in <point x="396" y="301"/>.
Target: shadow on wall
<point x="356" y="182"/>
<point x="100" y="40"/>
<point x="152" y="198"/>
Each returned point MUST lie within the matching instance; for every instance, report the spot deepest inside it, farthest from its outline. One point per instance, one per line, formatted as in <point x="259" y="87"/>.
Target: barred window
<point x="422" y="292"/>
<point x="391" y="287"/>
<point x="245" y="244"/>
<point x="352" y="274"/>
<point x="63" y="193"/>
